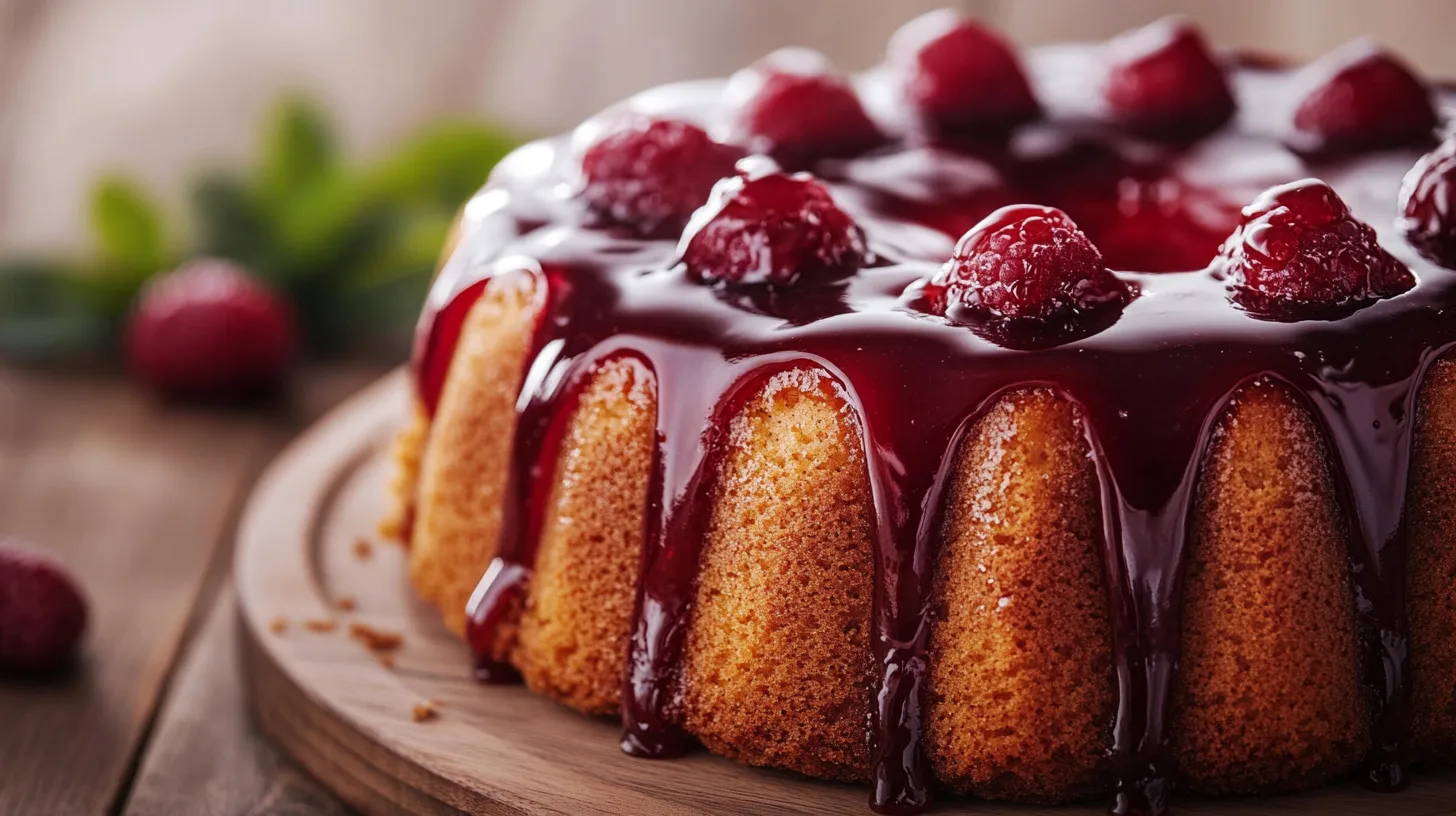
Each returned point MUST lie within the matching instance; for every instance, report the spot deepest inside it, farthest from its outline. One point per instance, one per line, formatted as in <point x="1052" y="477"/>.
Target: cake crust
<point x="776" y="670"/>
<point x="1431" y="573"/>
<point x="573" y="633"/>
<point x="1021" y="669"/>
<point x="462" y="471"/>
<point x="1269" y="693"/>
<point x="1021" y="691"/>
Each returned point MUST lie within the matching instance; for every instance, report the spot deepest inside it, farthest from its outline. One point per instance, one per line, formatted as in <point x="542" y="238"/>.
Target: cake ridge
<point x="1150" y="389"/>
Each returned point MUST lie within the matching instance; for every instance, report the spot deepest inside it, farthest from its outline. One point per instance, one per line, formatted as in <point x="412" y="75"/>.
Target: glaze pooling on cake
<point x="1150" y="385"/>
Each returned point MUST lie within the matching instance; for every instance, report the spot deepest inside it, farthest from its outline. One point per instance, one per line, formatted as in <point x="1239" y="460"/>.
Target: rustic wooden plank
<point x="139" y="497"/>
<point x="205" y="756"/>
<point x="207" y="759"/>
<point x="134" y="496"/>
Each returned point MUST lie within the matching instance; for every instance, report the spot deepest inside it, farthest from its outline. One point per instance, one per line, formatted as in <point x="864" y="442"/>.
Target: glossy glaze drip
<point x="1150" y="389"/>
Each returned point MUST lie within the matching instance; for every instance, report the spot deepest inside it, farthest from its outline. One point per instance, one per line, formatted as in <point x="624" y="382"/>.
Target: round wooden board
<point x="349" y="720"/>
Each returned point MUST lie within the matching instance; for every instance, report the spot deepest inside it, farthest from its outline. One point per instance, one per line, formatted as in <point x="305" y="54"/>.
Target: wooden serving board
<point x="350" y="721"/>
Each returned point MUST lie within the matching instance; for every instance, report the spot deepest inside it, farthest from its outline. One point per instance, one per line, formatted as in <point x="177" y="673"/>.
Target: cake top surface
<point x="1148" y="205"/>
<point x="1143" y="225"/>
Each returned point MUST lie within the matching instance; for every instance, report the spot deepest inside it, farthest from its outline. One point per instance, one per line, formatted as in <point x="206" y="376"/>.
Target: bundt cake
<point x="1144" y="481"/>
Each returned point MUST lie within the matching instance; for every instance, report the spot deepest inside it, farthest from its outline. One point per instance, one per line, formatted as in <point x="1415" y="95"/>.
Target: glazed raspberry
<point x="1428" y="204"/>
<point x="793" y="105"/>
<point x="1361" y="97"/>
<point x="1163" y="81"/>
<point x="1299" y="252"/>
<point x="959" y="76"/>
<point x="652" y="174"/>
<point x="42" y="611"/>
<point x="210" y="330"/>
<point x="771" y="228"/>
<point x="1025" y="261"/>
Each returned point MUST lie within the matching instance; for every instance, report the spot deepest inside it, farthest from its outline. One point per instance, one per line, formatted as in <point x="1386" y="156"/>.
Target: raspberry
<point x="652" y="174"/>
<point x="771" y="228"/>
<point x="1025" y="261"/>
<point x="1361" y="97"/>
<point x="1163" y="81"/>
<point x="210" y="330"/>
<point x="792" y="105"/>
<point x="961" y="77"/>
<point x="42" y="611"/>
<point x="1299" y="253"/>
<point x="1428" y="204"/>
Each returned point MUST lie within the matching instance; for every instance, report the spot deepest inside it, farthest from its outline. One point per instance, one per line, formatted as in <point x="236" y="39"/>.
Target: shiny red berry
<point x="1428" y="204"/>
<point x="960" y="77"/>
<point x="42" y="611"/>
<point x="1360" y="97"/>
<point x="1163" y="81"/>
<point x="771" y="228"/>
<point x="1299" y="252"/>
<point x="1025" y="261"/>
<point x="793" y="105"/>
<point x="652" y="173"/>
<point x="210" y="330"/>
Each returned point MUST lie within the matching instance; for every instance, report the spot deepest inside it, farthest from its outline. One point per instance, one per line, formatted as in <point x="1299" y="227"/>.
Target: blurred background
<point x="327" y="141"/>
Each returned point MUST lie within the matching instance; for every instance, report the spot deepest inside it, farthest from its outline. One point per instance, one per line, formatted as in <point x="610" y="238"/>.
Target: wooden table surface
<point x="141" y="498"/>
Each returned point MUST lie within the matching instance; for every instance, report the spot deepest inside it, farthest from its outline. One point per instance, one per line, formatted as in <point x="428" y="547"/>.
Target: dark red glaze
<point x="771" y="228"/>
<point x="1162" y="80"/>
<point x="1428" y="204"/>
<point x="1150" y="381"/>
<point x="653" y="173"/>
<point x="497" y="601"/>
<point x="793" y="105"/>
<point x="1300" y="253"/>
<point x="1360" y="97"/>
<point x="1025" y="262"/>
<point x="959" y="77"/>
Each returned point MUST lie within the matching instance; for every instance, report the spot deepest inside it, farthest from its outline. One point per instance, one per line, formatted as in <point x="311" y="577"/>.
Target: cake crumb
<point x="425" y="711"/>
<point x="279" y="625"/>
<point x="321" y="624"/>
<point x="363" y="550"/>
<point x="346" y="603"/>
<point x="375" y="640"/>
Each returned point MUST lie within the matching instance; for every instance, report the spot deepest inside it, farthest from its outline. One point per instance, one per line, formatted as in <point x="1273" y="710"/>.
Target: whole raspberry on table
<point x="42" y="611"/>
<point x="771" y="228"/>
<point x="1025" y="262"/>
<point x="210" y="330"/>
<point x="1299" y="252"/>
<point x="653" y="173"/>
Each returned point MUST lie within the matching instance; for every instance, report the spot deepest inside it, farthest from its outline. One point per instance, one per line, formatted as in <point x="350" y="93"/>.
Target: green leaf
<point x="443" y="165"/>
<point x="319" y="227"/>
<point x="128" y="227"/>
<point x="380" y="320"/>
<point x="131" y="242"/>
<point x="298" y="150"/>
<point x="230" y="222"/>
<point x="411" y="250"/>
<point x="46" y="313"/>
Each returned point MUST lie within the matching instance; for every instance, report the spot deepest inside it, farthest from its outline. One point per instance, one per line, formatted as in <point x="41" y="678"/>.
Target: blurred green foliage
<point x="353" y="247"/>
